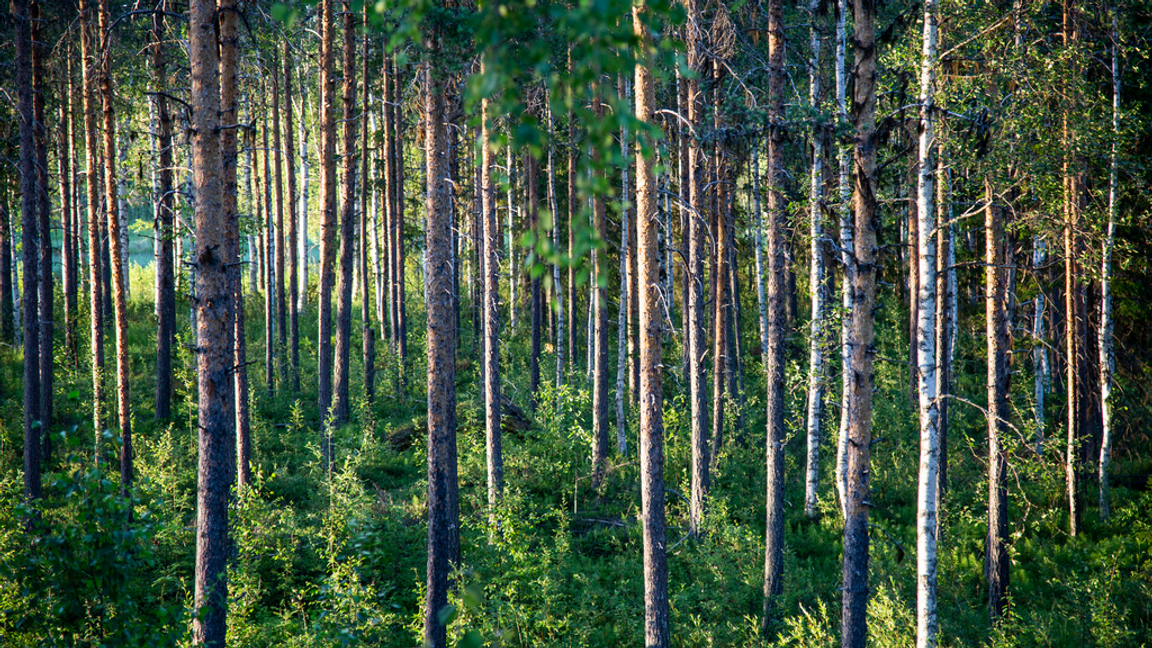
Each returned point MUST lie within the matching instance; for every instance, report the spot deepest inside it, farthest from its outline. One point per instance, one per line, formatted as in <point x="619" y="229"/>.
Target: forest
<point x="575" y="323"/>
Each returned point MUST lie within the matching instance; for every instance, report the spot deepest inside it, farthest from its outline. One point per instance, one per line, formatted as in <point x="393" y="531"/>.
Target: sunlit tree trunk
<point x="532" y="182"/>
<point x="347" y="221"/>
<point x="600" y="331"/>
<point x="89" y="44"/>
<point x="491" y="322"/>
<point x="818" y="284"/>
<point x="293" y="242"/>
<point x="327" y="223"/>
<point x="926" y="371"/>
<point x="214" y="323"/>
<point x="1107" y="354"/>
<point x="278" y="259"/>
<point x="846" y="261"/>
<point x="995" y="290"/>
<point x="774" y="360"/>
<point x="624" y="296"/>
<point x="696" y="252"/>
<point x="1040" y="368"/>
<point x="443" y="539"/>
<point x="859" y="371"/>
<point x="302" y="296"/>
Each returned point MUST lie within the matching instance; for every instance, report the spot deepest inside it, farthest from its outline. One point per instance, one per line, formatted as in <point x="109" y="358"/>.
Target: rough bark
<point x="443" y="539"/>
<point x="861" y="335"/>
<point x="347" y="222"/>
<point x="775" y="360"/>
<point x="327" y="223"/>
<point x="625" y="296"/>
<point x="214" y="326"/>
<point x="278" y="259"/>
<point x="368" y="337"/>
<point x="89" y="44"/>
<point x="45" y="281"/>
<point x="847" y="244"/>
<point x="491" y="323"/>
<point x="651" y="317"/>
<point x="240" y="437"/>
<point x="165" y="262"/>
<point x="117" y="257"/>
<point x="22" y="17"/>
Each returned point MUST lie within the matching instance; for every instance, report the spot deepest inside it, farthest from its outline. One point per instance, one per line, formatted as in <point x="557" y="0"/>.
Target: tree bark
<point x="347" y="222"/>
<point x="697" y="172"/>
<point x="995" y="290"/>
<point x="117" y="256"/>
<point x="846" y="261"/>
<point x="214" y="324"/>
<point x="926" y="342"/>
<point x="1107" y="354"/>
<point x="443" y="539"/>
<point x="22" y="17"/>
<point x="7" y="305"/>
<point x="861" y="335"/>
<point x="491" y="324"/>
<point x="278" y="260"/>
<point x="777" y="296"/>
<point x="532" y="180"/>
<point x="368" y="337"/>
<point x="600" y="332"/>
<point x="622" y="323"/>
<point x="327" y="223"/>
<point x="293" y="242"/>
<point x="89" y="43"/>
<point x="165" y="270"/>
<point x="651" y="317"/>
<point x="45" y="280"/>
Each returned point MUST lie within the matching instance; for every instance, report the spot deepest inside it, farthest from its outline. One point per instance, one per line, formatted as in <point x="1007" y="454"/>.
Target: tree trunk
<point x="491" y="324"/>
<point x="1040" y="368"/>
<point x="89" y="43"/>
<point x="45" y="280"/>
<point x="214" y="324"/>
<point x="926" y="342"/>
<point x="268" y="244"/>
<point x="775" y="360"/>
<point x="68" y="254"/>
<point x="818" y="284"/>
<point x="25" y="111"/>
<point x="532" y="180"/>
<point x="995" y="290"/>
<point x="651" y="317"/>
<point x="622" y="323"/>
<point x="861" y="335"/>
<point x="347" y="221"/>
<point x="7" y="304"/>
<point x="847" y="244"/>
<point x="302" y="296"/>
<point x="327" y="223"/>
<point x="293" y="242"/>
<point x="117" y="257"/>
<point x="555" y="210"/>
<point x="443" y="539"/>
<point x="367" y="334"/>
<point x="600" y="332"/>
<point x="1107" y="355"/>
<point x="278" y="260"/>
<point x="697" y="172"/>
<point x="165" y="270"/>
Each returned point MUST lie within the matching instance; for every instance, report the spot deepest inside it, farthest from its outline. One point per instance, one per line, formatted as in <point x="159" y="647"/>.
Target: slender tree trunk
<point x="573" y="212"/>
<point x="302" y="295"/>
<point x="861" y="335"/>
<point x="292" y="245"/>
<point x="926" y="342"/>
<point x="513" y="269"/>
<point x="995" y="290"/>
<point x="1107" y="355"/>
<point x="600" y="333"/>
<point x="1072" y="305"/>
<point x="443" y="540"/>
<point x="398" y="255"/>
<point x="7" y="305"/>
<point x="277" y="154"/>
<point x="268" y="244"/>
<point x="89" y="43"/>
<point x="622" y="324"/>
<point x="946" y="308"/>
<point x="697" y="172"/>
<point x="45" y="280"/>
<point x="555" y="210"/>
<point x="532" y="180"/>
<point x="651" y="317"/>
<point x="721" y="304"/>
<point x="761" y="302"/>
<point x="491" y="324"/>
<point x="1040" y="368"/>
<point x="165" y="271"/>
<point x="67" y="216"/>
<point x="328" y="222"/>
<point x="22" y="17"/>
<point x="367" y="334"/>
<point x="818" y="284"/>
<point x="347" y="221"/>
<point x="847" y="244"/>
<point x="118" y="254"/>
<point x="393" y="330"/>
<point x="775" y="360"/>
<point x="214" y="324"/>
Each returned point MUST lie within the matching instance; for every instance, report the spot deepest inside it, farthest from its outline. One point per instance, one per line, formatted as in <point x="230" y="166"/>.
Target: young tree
<point x="293" y="243"/>
<point x="600" y="332"/>
<point x="1107" y="354"/>
<point x="165" y="270"/>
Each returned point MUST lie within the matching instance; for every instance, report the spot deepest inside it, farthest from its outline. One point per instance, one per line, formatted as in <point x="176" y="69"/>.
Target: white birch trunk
<point x="846" y="246"/>
<point x="926" y="624"/>
<point x="513" y="275"/>
<point x="558" y="292"/>
<point x="1107" y="357"/>
<point x="818" y="286"/>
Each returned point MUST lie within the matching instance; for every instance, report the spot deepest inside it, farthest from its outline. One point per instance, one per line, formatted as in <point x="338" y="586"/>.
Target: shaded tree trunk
<point x="347" y="221"/>
<point x="88" y="46"/>
<point x="45" y="280"/>
<point x="293" y="242"/>
<point x="327" y="223"/>
<point x="1107" y="355"/>
<point x="165" y="262"/>
<point x="491" y="323"/>
<point x="995" y="290"/>
<point x="600" y="332"/>
<point x="847" y="244"/>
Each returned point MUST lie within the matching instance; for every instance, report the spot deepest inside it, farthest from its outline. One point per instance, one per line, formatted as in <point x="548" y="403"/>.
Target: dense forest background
<point x="551" y="324"/>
